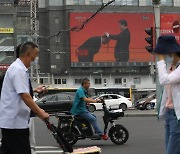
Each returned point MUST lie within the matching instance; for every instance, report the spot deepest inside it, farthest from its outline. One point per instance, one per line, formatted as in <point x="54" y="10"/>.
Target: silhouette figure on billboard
<point x="121" y="51"/>
<point x="90" y="47"/>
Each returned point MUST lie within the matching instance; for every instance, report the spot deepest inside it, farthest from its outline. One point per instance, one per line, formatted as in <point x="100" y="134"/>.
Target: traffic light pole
<point x="157" y="19"/>
<point x="157" y="34"/>
<point x="15" y="30"/>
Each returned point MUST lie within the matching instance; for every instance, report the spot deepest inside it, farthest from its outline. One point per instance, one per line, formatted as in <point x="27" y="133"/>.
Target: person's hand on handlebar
<point x="43" y="115"/>
<point x="98" y="100"/>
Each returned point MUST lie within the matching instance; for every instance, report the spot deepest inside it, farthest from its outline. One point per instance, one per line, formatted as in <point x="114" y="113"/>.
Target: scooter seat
<point x="78" y="117"/>
<point x="116" y="115"/>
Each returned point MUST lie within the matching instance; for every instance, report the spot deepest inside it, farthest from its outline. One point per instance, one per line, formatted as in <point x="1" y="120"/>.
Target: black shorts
<point x="15" y="141"/>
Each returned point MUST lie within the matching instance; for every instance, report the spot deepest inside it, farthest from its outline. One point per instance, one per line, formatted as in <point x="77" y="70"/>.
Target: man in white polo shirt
<point x="16" y="103"/>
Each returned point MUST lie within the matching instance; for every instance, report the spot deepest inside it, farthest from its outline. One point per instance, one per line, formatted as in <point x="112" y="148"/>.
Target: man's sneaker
<point x="104" y="137"/>
<point x="96" y="137"/>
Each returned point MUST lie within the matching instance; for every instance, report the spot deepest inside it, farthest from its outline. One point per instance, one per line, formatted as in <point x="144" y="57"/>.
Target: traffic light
<point x="149" y="39"/>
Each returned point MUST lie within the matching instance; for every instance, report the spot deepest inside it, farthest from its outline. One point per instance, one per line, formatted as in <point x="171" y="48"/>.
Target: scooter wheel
<point x="118" y="134"/>
<point x="71" y="136"/>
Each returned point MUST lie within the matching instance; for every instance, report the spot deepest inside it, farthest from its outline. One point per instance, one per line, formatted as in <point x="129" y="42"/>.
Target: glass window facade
<point x="118" y="80"/>
<point x="95" y="2"/>
<point x="127" y="2"/>
<point x="63" y="81"/>
<point x="118" y="2"/>
<point x="137" y="80"/>
<point x="167" y="2"/>
<point x="79" y="2"/>
<point x="23" y="25"/>
<point x="6" y="42"/>
<point x="163" y="2"/>
<point x="98" y="81"/>
<point x="55" y="2"/>
<point x="77" y="81"/>
<point x="148" y="2"/>
<point x="23" y="38"/>
<point x="59" y="81"/>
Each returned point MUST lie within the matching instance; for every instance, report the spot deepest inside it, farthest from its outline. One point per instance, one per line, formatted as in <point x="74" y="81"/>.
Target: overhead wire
<point x="82" y="25"/>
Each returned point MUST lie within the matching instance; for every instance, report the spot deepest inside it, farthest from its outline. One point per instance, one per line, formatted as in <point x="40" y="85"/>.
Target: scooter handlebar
<point x="48" y="124"/>
<point x="103" y="102"/>
<point x="100" y="100"/>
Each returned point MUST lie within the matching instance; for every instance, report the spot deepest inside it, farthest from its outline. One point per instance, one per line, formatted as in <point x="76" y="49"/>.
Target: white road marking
<point x="46" y="147"/>
<point x="52" y="149"/>
<point x="49" y="152"/>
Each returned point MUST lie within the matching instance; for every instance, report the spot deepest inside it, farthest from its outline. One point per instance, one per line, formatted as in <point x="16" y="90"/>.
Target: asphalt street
<point x="146" y="137"/>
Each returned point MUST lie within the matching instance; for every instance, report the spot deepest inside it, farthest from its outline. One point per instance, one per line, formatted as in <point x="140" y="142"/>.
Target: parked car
<point x="112" y="101"/>
<point x="55" y="103"/>
<point x="146" y="103"/>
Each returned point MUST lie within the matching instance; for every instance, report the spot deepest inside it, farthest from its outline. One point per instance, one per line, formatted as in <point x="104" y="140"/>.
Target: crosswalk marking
<point x="49" y="152"/>
<point x="46" y="147"/>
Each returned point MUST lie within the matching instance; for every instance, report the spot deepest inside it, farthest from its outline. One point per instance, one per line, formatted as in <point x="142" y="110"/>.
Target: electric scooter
<point x="76" y="128"/>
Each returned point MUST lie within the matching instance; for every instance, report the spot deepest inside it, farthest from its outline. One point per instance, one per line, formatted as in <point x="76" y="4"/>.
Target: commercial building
<point x="14" y="29"/>
<point x="58" y="54"/>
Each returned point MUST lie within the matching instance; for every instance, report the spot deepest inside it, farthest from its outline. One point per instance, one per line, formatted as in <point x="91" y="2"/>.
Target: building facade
<point x="14" y="29"/>
<point x="56" y="58"/>
<point x="59" y="67"/>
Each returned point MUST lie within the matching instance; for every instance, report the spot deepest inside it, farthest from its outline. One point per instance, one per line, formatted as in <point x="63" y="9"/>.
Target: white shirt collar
<point x="22" y="64"/>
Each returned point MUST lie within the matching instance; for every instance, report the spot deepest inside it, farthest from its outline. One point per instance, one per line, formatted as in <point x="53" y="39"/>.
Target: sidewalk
<point x="140" y="113"/>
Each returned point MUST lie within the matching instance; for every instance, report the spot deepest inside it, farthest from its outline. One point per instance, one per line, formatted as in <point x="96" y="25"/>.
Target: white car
<point x="153" y="103"/>
<point x="112" y="101"/>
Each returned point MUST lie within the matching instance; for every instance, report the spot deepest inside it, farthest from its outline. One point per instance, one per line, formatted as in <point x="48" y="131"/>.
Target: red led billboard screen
<point x="126" y="32"/>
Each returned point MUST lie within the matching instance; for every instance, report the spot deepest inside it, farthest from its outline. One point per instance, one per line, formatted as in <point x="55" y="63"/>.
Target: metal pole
<point x="33" y="16"/>
<point x="157" y="34"/>
<point x="157" y="19"/>
<point x="15" y="30"/>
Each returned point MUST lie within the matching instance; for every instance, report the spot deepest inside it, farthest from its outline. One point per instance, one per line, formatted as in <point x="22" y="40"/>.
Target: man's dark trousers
<point x="15" y="141"/>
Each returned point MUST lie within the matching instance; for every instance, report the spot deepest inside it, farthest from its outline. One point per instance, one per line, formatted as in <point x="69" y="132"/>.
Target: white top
<point x="14" y="113"/>
<point x="172" y="78"/>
